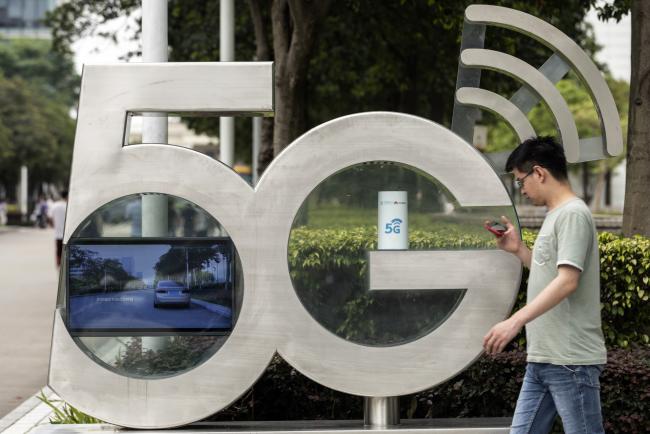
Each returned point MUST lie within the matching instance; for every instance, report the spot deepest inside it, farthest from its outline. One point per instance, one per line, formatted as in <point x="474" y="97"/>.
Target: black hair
<point x="64" y="194"/>
<point x="542" y="151"/>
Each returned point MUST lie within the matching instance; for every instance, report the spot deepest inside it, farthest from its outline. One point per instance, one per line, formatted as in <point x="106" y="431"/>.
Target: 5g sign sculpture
<point x="258" y="220"/>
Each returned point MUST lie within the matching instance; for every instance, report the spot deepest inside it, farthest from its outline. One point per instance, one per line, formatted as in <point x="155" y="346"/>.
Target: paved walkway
<point x="28" y="289"/>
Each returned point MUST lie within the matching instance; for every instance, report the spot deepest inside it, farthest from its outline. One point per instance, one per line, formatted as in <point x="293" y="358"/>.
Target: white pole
<point x="392" y="234"/>
<point x="392" y="220"/>
<point x="154" y="130"/>
<point x="154" y="125"/>
<point x="23" y="191"/>
<point x="257" y="141"/>
<point x="227" y="54"/>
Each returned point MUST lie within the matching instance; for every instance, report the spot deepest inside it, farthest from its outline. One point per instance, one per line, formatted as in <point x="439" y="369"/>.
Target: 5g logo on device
<point x="393" y="226"/>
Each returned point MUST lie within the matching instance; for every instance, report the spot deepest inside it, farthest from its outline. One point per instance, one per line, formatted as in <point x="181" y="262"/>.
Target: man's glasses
<point x="520" y="182"/>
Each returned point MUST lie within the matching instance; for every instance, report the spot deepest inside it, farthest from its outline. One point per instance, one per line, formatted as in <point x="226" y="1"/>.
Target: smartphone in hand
<point x="496" y="228"/>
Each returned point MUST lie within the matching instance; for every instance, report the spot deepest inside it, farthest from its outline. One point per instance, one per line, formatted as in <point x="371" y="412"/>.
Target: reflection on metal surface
<point x="520" y="70"/>
<point x="381" y="411"/>
<point x="439" y="269"/>
<point x="497" y="104"/>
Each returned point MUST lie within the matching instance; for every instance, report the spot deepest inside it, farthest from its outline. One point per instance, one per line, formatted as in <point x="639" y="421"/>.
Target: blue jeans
<point x="573" y="391"/>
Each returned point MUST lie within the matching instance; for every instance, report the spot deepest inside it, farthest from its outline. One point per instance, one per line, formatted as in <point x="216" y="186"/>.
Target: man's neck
<point x="562" y="195"/>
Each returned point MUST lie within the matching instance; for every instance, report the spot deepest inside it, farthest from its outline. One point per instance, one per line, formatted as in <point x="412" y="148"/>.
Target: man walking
<point x="565" y="344"/>
<point x="57" y="220"/>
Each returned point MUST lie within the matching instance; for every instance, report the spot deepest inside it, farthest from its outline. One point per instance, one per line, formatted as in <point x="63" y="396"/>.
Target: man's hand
<point x="499" y="335"/>
<point x="511" y="243"/>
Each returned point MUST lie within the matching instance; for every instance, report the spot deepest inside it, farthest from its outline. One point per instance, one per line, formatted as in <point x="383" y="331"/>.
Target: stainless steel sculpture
<point x="272" y="318"/>
<point x="259" y="220"/>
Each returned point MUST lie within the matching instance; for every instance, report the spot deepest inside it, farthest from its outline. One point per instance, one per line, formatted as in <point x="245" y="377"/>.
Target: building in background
<point x="24" y="18"/>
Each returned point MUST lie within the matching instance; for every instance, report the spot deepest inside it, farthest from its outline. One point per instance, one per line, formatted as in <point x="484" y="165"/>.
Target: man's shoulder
<point x="576" y="207"/>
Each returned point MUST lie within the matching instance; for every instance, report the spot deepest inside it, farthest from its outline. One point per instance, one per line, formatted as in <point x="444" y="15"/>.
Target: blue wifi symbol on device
<point x="393" y="226"/>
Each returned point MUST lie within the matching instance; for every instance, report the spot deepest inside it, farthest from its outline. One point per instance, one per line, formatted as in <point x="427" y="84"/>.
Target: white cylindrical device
<point x="392" y="223"/>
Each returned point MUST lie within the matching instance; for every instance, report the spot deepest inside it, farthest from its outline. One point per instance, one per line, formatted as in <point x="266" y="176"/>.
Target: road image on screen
<point x="153" y="288"/>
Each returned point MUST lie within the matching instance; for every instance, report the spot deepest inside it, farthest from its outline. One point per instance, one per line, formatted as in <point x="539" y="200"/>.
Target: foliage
<point x="95" y="273"/>
<point x="625" y="289"/>
<point x="363" y="59"/>
<point x="282" y="384"/>
<point x="317" y="254"/>
<point x="616" y="9"/>
<point x="66" y="414"/>
<point x="37" y="90"/>
<point x="366" y="61"/>
<point x="328" y="268"/>
<point x="180" y="354"/>
<point x="33" y="60"/>
<point x="579" y="101"/>
<point x="35" y="131"/>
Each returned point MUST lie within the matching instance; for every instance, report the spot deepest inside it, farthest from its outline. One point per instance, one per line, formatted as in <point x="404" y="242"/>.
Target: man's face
<point x="529" y="184"/>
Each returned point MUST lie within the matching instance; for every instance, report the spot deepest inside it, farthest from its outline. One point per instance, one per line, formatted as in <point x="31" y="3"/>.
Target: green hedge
<point x="317" y="254"/>
<point x="489" y="388"/>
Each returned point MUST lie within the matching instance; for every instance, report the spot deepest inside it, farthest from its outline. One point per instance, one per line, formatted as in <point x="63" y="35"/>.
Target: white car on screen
<point x="170" y="293"/>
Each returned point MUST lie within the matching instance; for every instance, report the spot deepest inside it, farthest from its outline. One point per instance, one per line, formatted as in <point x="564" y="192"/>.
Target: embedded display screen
<point x="159" y="287"/>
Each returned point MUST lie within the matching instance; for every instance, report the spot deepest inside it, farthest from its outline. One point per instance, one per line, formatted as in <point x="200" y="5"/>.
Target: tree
<point x="179" y="260"/>
<point x="501" y="138"/>
<point x="35" y="131"/>
<point x="37" y="90"/>
<point x="334" y="57"/>
<point x="637" y="200"/>
<point x="49" y="71"/>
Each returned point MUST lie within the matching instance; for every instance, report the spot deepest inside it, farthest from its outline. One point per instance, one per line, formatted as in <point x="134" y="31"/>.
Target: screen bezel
<point x="178" y="241"/>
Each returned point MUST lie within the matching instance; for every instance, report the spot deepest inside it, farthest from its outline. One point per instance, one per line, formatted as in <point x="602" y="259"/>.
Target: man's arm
<point x="564" y="284"/>
<point x="524" y="254"/>
<point x="510" y="242"/>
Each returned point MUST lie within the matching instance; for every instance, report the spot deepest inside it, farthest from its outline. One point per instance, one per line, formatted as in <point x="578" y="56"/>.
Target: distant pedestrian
<point x="3" y="211"/>
<point x="41" y="213"/>
<point x="57" y="220"/>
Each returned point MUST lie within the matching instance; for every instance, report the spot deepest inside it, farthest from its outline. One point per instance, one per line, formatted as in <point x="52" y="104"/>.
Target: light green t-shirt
<point x="570" y="333"/>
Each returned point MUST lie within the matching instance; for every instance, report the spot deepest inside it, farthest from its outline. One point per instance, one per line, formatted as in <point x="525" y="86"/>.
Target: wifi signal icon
<point x="538" y="85"/>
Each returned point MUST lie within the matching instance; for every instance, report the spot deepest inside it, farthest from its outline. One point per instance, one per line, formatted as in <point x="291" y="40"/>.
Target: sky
<point x="614" y="38"/>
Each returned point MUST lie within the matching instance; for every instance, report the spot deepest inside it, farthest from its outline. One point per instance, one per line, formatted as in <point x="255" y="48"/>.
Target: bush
<point x="315" y="254"/>
<point x="489" y="388"/>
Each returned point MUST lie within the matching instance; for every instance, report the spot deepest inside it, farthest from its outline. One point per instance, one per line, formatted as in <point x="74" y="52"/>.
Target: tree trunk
<point x="262" y="53"/>
<point x="600" y="187"/>
<point x="636" y="214"/>
<point x="295" y="26"/>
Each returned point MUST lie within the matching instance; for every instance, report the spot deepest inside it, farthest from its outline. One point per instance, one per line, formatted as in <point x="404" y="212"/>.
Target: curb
<point x="28" y="414"/>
